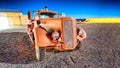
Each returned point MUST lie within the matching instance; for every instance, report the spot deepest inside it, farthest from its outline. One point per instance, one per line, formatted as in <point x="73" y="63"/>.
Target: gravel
<point x="101" y="49"/>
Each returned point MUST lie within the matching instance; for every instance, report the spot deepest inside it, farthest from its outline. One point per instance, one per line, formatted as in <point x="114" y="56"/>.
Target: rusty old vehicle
<point x="50" y="30"/>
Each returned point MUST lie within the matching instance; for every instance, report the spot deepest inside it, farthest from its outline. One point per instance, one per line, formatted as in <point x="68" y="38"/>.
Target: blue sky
<point x="74" y="8"/>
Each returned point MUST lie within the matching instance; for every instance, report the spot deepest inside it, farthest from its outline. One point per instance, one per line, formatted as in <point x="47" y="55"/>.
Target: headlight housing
<point x="80" y="32"/>
<point x="55" y="35"/>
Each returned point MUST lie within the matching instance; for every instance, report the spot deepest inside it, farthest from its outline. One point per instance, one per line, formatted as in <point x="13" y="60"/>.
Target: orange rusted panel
<point x="52" y="23"/>
<point x="40" y="37"/>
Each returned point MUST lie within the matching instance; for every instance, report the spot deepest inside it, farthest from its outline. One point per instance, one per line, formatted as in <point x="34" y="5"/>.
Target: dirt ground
<point x="101" y="49"/>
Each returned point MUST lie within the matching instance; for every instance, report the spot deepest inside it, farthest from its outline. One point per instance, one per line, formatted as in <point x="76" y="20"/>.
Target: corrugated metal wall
<point x="4" y="24"/>
<point x="13" y="18"/>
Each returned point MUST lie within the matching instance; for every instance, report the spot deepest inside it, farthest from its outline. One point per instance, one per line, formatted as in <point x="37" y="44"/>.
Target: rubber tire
<point x="40" y="53"/>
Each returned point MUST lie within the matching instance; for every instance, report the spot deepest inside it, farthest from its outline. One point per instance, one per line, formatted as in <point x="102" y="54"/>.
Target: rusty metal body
<point x="67" y="29"/>
<point x="60" y="33"/>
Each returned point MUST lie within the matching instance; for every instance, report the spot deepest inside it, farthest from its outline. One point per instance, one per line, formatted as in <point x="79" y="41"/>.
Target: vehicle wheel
<point x="40" y="52"/>
<point x="78" y="46"/>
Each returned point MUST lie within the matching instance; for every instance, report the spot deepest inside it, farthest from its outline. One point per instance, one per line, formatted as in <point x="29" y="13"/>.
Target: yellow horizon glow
<point x="102" y="20"/>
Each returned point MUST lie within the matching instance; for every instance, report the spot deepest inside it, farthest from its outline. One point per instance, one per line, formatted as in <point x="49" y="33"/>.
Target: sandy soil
<point x="101" y="49"/>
